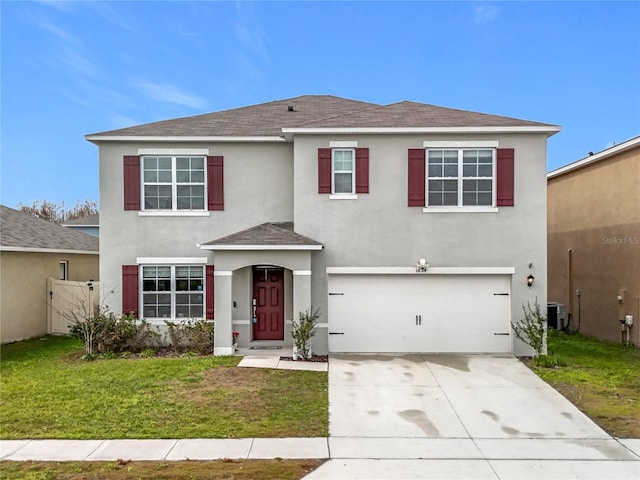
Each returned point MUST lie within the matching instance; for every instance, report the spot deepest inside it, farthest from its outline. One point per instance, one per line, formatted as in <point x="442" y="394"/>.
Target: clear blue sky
<point x="72" y="68"/>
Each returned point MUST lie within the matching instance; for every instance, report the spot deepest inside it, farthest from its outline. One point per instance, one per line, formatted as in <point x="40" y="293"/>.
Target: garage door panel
<point x="387" y="313"/>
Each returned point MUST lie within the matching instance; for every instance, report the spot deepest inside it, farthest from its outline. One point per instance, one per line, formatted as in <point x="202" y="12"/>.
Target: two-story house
<point x="412" y="227"/>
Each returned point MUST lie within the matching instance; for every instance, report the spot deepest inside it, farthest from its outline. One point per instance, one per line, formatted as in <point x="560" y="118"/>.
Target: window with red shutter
<point x="362" y="170"/>
<point x="215" y="182"/>
<point x="324" y="170"/>
<point x="343" y="171"/>
<point x="131" y="182"/>
<point x="416" y="177"/>
<point x="210" y="292"/>
<point x="130" y="288"/>
<point x="505" y="177"/>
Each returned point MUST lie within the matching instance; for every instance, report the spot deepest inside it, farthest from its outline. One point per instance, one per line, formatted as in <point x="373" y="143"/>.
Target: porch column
<point x="301" y="292"/>
<point x="223" y="304"/>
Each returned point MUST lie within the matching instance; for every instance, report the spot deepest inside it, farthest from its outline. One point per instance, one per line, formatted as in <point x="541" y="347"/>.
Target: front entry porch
<point x="262" y="279"/>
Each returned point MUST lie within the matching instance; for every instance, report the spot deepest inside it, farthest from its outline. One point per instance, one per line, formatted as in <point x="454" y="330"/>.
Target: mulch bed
<point x="314" y="358"/>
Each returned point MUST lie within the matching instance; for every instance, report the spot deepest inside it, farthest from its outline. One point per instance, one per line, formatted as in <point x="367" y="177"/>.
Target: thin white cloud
<point x="252" y="37"/>
<point x="485" y="13"/>
<point x="121" y="121"/>
<point x="112" y="15"/>
<point x="78" y="63"/>
<point x="59" y="5"/>
<point x="56" y="31"/>
<point x="168" y="93"/>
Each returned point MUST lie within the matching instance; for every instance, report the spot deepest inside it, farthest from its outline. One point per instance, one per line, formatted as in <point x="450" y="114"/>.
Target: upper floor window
<point x="460" y="177"/>
<point x="343" y="170"/>
<point x="174" y="182"/>
<point x="343" y="163"/>
<point x="450" y="177"/>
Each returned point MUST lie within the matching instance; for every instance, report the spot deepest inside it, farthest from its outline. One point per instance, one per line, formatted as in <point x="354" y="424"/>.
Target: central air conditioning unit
<point x="556" y="316"/>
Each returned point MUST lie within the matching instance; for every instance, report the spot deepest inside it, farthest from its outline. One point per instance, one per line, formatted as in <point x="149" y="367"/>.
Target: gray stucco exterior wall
<point x="275" y="182"/>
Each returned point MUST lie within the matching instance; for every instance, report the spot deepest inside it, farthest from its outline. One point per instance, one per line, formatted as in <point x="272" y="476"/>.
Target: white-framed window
<point x="172" y="291"/>
<point x="174" y="182"/>
<point x="343" y="163"/>
<point x="463" y="177"/>
<point x="63" y="270"/>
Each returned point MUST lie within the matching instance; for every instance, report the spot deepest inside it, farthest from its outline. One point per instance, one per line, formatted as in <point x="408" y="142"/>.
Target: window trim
<point x="334" y="171"/>
<point x="173" y="292"/>
<point x="174" y="210"/>
<point x="63" y="270"/>
<point x="461" y="147"/>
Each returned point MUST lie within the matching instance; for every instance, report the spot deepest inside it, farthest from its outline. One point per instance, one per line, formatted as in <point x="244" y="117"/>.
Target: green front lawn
<point x="187" y="470"/>
<point x="600" y="378"/>
<point x="47" y="391"/>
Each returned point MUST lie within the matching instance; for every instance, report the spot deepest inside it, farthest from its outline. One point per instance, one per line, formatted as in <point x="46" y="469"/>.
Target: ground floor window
<point x="172" y="291"/>
<point x="63" y="269"/>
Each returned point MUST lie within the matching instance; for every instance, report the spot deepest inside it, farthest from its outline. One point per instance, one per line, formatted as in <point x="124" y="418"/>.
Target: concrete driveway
<point x="459" y="416"/>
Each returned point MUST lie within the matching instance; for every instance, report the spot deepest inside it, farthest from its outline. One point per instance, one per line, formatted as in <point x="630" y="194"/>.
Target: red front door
<point x="268" y="297"/>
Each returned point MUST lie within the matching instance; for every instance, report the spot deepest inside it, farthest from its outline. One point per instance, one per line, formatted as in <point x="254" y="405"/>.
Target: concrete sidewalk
<point x="170" y="450"/>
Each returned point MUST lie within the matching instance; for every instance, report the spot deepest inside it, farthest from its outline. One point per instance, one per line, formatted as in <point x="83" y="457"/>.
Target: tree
<point x="52" y="212"/>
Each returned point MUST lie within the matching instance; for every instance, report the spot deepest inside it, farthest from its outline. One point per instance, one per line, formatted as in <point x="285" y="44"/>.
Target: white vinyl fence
<point x="67" y="300"/>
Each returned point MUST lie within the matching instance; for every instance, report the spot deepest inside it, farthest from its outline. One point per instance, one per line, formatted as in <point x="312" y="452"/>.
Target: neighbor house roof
<point x="315" y="113"/>
<point x="268" y="236"/>
<point x="87" y="221"/>
<point x="22" y="232"/>
<point x="594" y="158"/>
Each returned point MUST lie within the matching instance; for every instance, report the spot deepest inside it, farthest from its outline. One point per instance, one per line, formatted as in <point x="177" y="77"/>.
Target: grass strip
<point x="601" y="378"/>
<point x="185" y="470"/>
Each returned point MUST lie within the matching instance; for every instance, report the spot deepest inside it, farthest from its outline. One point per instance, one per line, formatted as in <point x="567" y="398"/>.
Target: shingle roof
<point x="89" y="220"/>
<point x="267" y="234"/>
<point x="265" y="119"/>
<point x="315" y="111"/>
<point x="20" y="230"/>
<point x="412" y="114"/>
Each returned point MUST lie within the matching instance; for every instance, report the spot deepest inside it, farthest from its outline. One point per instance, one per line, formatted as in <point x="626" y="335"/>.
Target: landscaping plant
<point x="191" y="336"/>
<point x="531" y="329"/>
<point x="303" y="330"/>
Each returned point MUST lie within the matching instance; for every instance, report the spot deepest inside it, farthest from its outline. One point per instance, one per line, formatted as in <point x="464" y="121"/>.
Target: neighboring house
<point x="594" y="241"/>
<point x="253" y="215"/>
<point x="32" y="250"/>
<point x="89" y="224"/>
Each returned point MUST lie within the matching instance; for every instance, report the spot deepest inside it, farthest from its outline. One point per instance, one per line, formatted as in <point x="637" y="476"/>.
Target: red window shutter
<point x="215" y="183"/>
<point x="209" y="289"/>
<point x="504" y="197"/>
<point x="131" y="182"/>
<point x="324" y="170"/>
<point x="416" y="177"/>
<point x="130" y="289"/>
<point x="362" y="170"/>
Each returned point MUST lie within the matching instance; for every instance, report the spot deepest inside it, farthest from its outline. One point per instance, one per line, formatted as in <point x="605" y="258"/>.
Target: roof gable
<point x="20" y="231"/>
<point x="264" y="236"/>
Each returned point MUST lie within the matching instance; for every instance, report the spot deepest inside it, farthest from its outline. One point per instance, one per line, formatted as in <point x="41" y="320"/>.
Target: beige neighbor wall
<point x="23" y="289"/>
<point x="594" y="212"/>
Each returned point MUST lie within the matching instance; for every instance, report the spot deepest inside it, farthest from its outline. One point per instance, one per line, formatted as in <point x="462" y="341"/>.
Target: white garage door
<point x="419" y="313"/>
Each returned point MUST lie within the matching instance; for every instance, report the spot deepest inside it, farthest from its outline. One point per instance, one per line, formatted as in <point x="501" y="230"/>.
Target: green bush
<point x="531" y="329"/>
<point x="303" y="330"/>
<point x="106" y="332"/>
<point x="191" y="336"/>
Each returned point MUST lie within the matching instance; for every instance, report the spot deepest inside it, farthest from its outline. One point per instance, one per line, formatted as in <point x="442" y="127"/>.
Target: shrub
<point x="303" y="330"/>
<point x="531" y="329"/>
<point x="106" y="332"/>
<point x="191" y="335"/>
